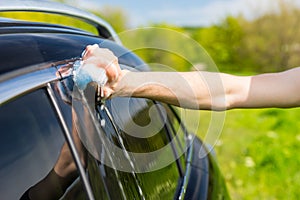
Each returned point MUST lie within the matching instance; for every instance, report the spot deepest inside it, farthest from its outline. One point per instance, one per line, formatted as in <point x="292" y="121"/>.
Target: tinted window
<point x="140" y="123"/>
<point x="32" y="144"/>
<point x="142" y="126"/>
<point x="179" y="134"/>
<point x="125" y="128"/>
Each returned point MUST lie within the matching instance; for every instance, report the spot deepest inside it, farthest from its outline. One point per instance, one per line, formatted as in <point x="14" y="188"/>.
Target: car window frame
<point x="20" y="82"/>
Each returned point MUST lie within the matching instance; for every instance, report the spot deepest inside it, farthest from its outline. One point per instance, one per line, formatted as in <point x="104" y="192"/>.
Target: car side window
<point x="140" y="123"/>
<point x="179" y="134"/>
<point x="142" y="127"/>
<point x="33" y="150"/>
<point x="130" y="143"/>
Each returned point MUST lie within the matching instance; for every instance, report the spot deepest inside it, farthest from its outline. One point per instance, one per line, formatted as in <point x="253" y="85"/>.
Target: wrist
<point x="119" y="87"/>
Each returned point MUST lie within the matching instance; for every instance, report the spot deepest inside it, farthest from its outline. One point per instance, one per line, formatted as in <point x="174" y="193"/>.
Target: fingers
<point x="107" y="92"/>
<point x="105" y="59"/>
<point x="89" y="50"/>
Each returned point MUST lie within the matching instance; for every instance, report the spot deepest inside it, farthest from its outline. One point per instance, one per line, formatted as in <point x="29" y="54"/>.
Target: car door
<point x="129" y="145"/>
<point x="33" y="148"/>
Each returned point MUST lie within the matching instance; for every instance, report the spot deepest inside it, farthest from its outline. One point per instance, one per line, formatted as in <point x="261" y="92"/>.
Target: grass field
<point x="258" y="153"/>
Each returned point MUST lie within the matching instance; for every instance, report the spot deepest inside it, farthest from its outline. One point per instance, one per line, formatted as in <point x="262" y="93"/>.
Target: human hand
<point x="105" y="59"/>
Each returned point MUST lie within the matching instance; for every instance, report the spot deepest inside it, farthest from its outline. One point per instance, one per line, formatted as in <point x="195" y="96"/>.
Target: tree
<point x="268" y="43"/>
<point x="161" y="45"/>
<point x="222" y="42"/>
<point x="272" y="42"/>
<point x="116" y="17"/>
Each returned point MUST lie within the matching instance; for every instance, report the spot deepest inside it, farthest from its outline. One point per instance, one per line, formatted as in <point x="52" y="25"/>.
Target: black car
<point x="59" y="142"/>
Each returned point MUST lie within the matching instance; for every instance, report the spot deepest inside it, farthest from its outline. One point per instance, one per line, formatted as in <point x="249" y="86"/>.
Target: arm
<point x="199" y="90"/>
<point x="194" y="90"/>
<point x="272" y="90"/>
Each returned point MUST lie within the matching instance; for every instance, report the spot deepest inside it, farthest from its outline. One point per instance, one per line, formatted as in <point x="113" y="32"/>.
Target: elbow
<point x="226" y="100"/>
<point x="229" y="95"/>
<point x="231" y="102"/>
<point x="237" y="92"/>
<point x="236" y="98"/>
<point x="215" y="103"/>
<point x="221" y="103"/>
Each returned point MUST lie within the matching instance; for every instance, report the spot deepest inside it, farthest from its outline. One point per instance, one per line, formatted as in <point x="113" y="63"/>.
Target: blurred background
<point x="239" y="35"/>
<point x="258" y="149"/>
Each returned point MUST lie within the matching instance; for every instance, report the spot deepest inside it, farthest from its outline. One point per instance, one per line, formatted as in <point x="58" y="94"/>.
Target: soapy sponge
<point x="82" y="76"/>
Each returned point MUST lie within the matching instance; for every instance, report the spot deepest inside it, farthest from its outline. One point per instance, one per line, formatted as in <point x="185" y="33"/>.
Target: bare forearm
<point x="279" y="90"/>
<point x="195" y="90"/>
<point x="214" y="91"/>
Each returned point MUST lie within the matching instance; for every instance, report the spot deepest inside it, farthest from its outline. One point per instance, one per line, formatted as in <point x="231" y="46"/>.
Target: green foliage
<point x="272" y="41"/>
<point x="116" y="17"/>
<point x="222" y="42"/>
<point x="50" y="18"/>
<point x="163" y="47"/>
<point x="267" y="44"/>
<point x="258" y="153"/>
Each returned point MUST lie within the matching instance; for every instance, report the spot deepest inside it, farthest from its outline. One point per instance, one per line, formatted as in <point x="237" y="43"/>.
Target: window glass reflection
<point x="31" y="146"/>
<point x="140" y="123"/>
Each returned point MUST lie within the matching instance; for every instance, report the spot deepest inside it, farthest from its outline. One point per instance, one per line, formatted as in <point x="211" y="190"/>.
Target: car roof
<point x="61" y="9"/>
<point x="8" y="25"/>
<point x="25" y="39"/>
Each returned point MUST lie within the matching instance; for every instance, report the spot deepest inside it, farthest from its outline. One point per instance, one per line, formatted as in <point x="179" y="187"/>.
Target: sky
<point x="183" y="12"/>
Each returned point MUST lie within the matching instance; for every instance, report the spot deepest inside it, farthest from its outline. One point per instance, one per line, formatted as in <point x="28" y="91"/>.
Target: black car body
<point x="45" y="128"/>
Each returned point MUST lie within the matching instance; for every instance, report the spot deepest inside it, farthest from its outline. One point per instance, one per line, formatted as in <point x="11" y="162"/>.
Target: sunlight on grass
<point x="257" y="153"/>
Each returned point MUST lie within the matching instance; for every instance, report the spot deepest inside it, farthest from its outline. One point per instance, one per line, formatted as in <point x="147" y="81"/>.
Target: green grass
<point x="258" y="152"/>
